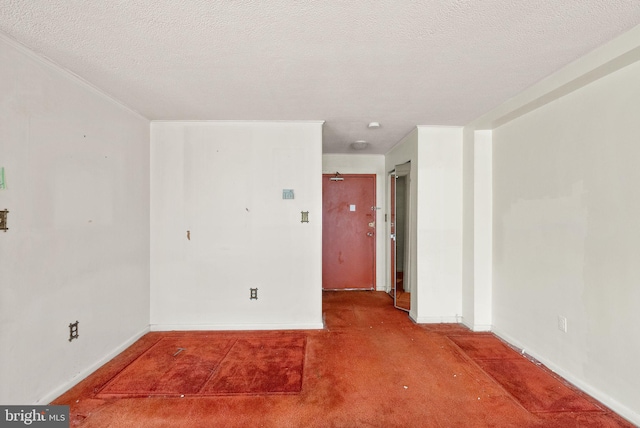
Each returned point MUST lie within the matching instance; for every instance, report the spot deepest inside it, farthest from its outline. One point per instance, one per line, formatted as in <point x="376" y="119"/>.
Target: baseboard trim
<point x="236" y="327"/>
<point x="436" y="320"/>
<point x="605" y="399"/>
<point x="482" y="327"/>
<point x="48" y="398"/>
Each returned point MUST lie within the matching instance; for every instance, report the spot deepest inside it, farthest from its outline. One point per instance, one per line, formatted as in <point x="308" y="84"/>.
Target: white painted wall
<point x="77" y="174"/>
<point x="482" y="230"/>
<point x="468" y="242"/>
<point x="436" y="220"/>
<point x="566" y="234"/>
<point x="477" y="285"/>
<point x="366" y="164"/>
<point x="439" y="232"/>
<point x="223" y="182"/>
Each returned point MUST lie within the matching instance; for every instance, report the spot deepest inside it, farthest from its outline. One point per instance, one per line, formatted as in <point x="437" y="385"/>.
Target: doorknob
<point x="369" y="233"/>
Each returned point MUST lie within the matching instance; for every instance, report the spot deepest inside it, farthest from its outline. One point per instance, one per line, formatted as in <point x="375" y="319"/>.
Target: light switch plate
<point x="287" y="194"/>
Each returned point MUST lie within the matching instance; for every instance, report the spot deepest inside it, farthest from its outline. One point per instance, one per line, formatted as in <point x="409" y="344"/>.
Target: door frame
<point x="401" y="170"/>
<point x="392" y="235"/>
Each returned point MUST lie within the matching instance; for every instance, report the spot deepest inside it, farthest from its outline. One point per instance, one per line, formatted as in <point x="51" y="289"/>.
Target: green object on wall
<point x="3" y="184"/>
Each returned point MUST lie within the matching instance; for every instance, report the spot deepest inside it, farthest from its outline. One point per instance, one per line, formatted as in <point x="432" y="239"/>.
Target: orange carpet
<point x="535" y="387"/>
<point x="370" y="367"/>
<point x="183" y="365"/>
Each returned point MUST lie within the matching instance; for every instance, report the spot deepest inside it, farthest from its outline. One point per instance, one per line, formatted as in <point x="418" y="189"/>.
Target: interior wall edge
<point x="241" y="121"/>
<point x="587" y="388"/>
<point x="436" y="320"/>
<point x="396" y="147"/>
<point x="466" y="323"/>
<point x="604" y="60"/>
<point x="482" y="327"/>
<point x="605" y="69"/>
<point x="67" y="74"/>
<point x="48" y="398"/>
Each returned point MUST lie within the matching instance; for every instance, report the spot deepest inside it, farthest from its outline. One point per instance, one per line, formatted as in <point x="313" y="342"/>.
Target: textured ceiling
<point x="400" y="62"/>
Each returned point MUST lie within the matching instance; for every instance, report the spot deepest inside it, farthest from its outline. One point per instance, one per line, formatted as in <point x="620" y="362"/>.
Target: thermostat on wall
<point x="287" y="193"/>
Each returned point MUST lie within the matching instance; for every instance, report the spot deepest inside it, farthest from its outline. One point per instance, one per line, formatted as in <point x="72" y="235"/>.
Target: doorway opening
<point x="401" y="286"/>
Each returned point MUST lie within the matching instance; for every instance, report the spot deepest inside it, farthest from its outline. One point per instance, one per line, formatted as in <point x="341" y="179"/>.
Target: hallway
<point x="371" y="366"/>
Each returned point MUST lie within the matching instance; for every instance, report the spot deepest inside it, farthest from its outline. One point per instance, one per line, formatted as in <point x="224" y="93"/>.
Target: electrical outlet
<point x="562" y="324"/>
<point x="73" y="330"/>
<point x="3" y="219"/>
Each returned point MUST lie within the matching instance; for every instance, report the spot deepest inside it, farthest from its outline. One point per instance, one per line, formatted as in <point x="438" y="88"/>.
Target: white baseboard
<point x="48" y="398"/>
<point x="235" y="327"/>
<point x="435" y="320"/>
<point x="482" y="327"/>
<point x="476" y="327"/>
<point x="605" y="399"/>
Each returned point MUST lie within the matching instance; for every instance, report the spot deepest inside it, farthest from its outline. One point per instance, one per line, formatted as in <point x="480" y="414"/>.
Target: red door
<point x="348" y="231"/>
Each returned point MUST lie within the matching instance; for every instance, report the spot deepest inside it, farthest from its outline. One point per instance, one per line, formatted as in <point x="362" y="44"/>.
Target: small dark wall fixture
<point x="73" y="330"/>
<point x="3" y="220"/>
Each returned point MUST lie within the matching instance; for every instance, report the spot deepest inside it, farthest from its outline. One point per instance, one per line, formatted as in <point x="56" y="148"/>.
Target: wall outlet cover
<point x="562" y="324"/>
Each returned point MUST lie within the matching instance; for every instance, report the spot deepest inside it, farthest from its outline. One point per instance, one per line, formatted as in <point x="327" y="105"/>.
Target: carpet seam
<point x="103" y="394"/>
<point x="217" y="366"/>
<point x="491" y="378"/>
<point x="519" y="357"/>
<point x="107" y="383"/>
